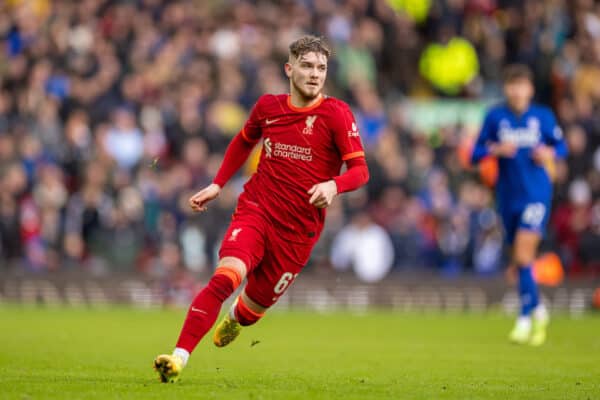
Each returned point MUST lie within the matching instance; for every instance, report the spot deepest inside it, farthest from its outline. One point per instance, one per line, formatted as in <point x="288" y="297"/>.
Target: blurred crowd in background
<point x="112" y="113"/>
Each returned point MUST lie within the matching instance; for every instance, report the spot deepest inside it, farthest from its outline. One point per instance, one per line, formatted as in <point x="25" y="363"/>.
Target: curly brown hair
<point x="307" y="44"/>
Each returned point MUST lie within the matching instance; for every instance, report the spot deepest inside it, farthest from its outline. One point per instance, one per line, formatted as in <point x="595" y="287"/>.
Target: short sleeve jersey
<point x="521" y="180"/>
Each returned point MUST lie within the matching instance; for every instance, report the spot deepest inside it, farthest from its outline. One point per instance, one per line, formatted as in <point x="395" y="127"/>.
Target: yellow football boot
<point x="521" y="332"/>
<point x="226" y="332"/>
<point x="538" y="331"/>
<point x="169" y="367"/>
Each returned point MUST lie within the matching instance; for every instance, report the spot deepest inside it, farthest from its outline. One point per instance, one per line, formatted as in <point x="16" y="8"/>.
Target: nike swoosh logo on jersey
<point x="199" y="310"/>
<point x="270" y="121"/>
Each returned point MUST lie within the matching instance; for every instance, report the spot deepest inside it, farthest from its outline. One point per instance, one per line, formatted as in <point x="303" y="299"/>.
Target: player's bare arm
<point x="322" y="194"/>
<point x="199" y="200"/>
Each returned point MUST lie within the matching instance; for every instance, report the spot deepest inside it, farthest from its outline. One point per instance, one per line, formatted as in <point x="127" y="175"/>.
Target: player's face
<point x="519" y="93"/>
<point x="307" y="74"/>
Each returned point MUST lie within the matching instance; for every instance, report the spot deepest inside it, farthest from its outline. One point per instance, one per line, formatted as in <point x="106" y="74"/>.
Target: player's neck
<point x="518" y="111"/>
<point x="300" y="101"/>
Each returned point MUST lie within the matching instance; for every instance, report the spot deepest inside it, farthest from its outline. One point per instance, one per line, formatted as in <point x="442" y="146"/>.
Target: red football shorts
<point x="273" y="262"/>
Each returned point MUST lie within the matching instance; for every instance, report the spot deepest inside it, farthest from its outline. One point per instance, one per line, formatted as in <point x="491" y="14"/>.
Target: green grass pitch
<point x="57" y="353"/>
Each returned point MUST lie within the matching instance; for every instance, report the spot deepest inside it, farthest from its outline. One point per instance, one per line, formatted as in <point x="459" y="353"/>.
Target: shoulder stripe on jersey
<point x="349" y="156"/>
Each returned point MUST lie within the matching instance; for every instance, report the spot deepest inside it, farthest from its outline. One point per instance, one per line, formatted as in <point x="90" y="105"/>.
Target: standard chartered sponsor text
<point x="292" y="151"/>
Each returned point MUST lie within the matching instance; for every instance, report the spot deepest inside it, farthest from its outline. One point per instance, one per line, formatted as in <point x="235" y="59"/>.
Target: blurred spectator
<point x="89" y="215"/>
<point x="365" y="247"/>
<point x="124" y="141"/>
<point x="590" y="251"/>
<point x="570" y="220"/>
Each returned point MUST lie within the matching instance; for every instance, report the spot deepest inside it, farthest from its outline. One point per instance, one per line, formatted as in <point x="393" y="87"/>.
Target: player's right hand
<point x="503" y="149"/>
<point x="322" y="194"/>
<point x="199" y="200"/>
<point x="543" y="154"/>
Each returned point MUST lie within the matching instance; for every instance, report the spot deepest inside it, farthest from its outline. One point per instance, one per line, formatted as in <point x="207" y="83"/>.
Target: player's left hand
<point x="542" y="154"/>
<point x="322" y="194"/>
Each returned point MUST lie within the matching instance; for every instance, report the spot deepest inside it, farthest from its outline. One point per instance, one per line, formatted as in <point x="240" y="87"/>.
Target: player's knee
<point x="226" y="279"/>
<point x="523" y="255"/>
<point x="525" y="247"/>
<point x="247" y="312"/>
<point x="232" y="267"/>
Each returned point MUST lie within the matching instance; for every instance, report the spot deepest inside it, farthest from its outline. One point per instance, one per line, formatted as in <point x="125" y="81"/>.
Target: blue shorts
<point x="530" y="216"/>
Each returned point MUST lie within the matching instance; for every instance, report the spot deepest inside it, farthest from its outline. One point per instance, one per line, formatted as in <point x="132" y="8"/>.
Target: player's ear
<point x="288" y="69"/>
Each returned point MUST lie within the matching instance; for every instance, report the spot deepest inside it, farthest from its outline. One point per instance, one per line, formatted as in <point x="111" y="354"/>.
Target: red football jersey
<point x="301" y="147"/>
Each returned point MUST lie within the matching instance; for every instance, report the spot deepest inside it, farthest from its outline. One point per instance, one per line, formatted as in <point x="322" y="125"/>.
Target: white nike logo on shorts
<point x="270" y="121"/>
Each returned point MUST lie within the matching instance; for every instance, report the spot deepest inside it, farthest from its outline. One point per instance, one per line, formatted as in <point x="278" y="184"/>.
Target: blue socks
<point x="528" y="291"/>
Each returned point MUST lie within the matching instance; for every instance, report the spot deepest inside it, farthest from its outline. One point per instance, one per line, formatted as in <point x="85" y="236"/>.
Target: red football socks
<point x="205" y="309"/>
<point x="244" y="315"/>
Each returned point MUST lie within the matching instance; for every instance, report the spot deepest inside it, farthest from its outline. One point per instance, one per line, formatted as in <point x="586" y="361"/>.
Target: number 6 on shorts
<point x="284" y="282"/>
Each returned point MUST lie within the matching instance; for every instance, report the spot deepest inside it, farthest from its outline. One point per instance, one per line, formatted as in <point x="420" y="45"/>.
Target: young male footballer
<point x="526" y="140"/>
<point x="306" y="136"/>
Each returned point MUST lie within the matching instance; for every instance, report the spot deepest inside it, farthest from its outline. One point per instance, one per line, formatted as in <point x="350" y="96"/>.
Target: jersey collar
<point x="514" y="114"/>
<point x="304" y="109"/>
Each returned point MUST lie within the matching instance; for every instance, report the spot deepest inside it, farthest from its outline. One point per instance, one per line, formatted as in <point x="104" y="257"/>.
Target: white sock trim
<point x="541" y="312"/>
<point x="232" y="310"/>
<point x="182" y="353"/>
<point x="524" y="322"/>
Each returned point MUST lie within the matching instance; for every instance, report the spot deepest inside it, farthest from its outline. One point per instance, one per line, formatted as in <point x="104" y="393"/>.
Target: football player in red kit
<point x="307" y="136"/>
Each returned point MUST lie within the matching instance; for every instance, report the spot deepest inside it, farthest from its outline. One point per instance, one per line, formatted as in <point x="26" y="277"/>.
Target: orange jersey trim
<point x="231" y="273"/>
<point x="304" y="109"/>
<point x="245" y="136"/>
<point x="247" y="309"/>
<point x="349" y="156"/>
